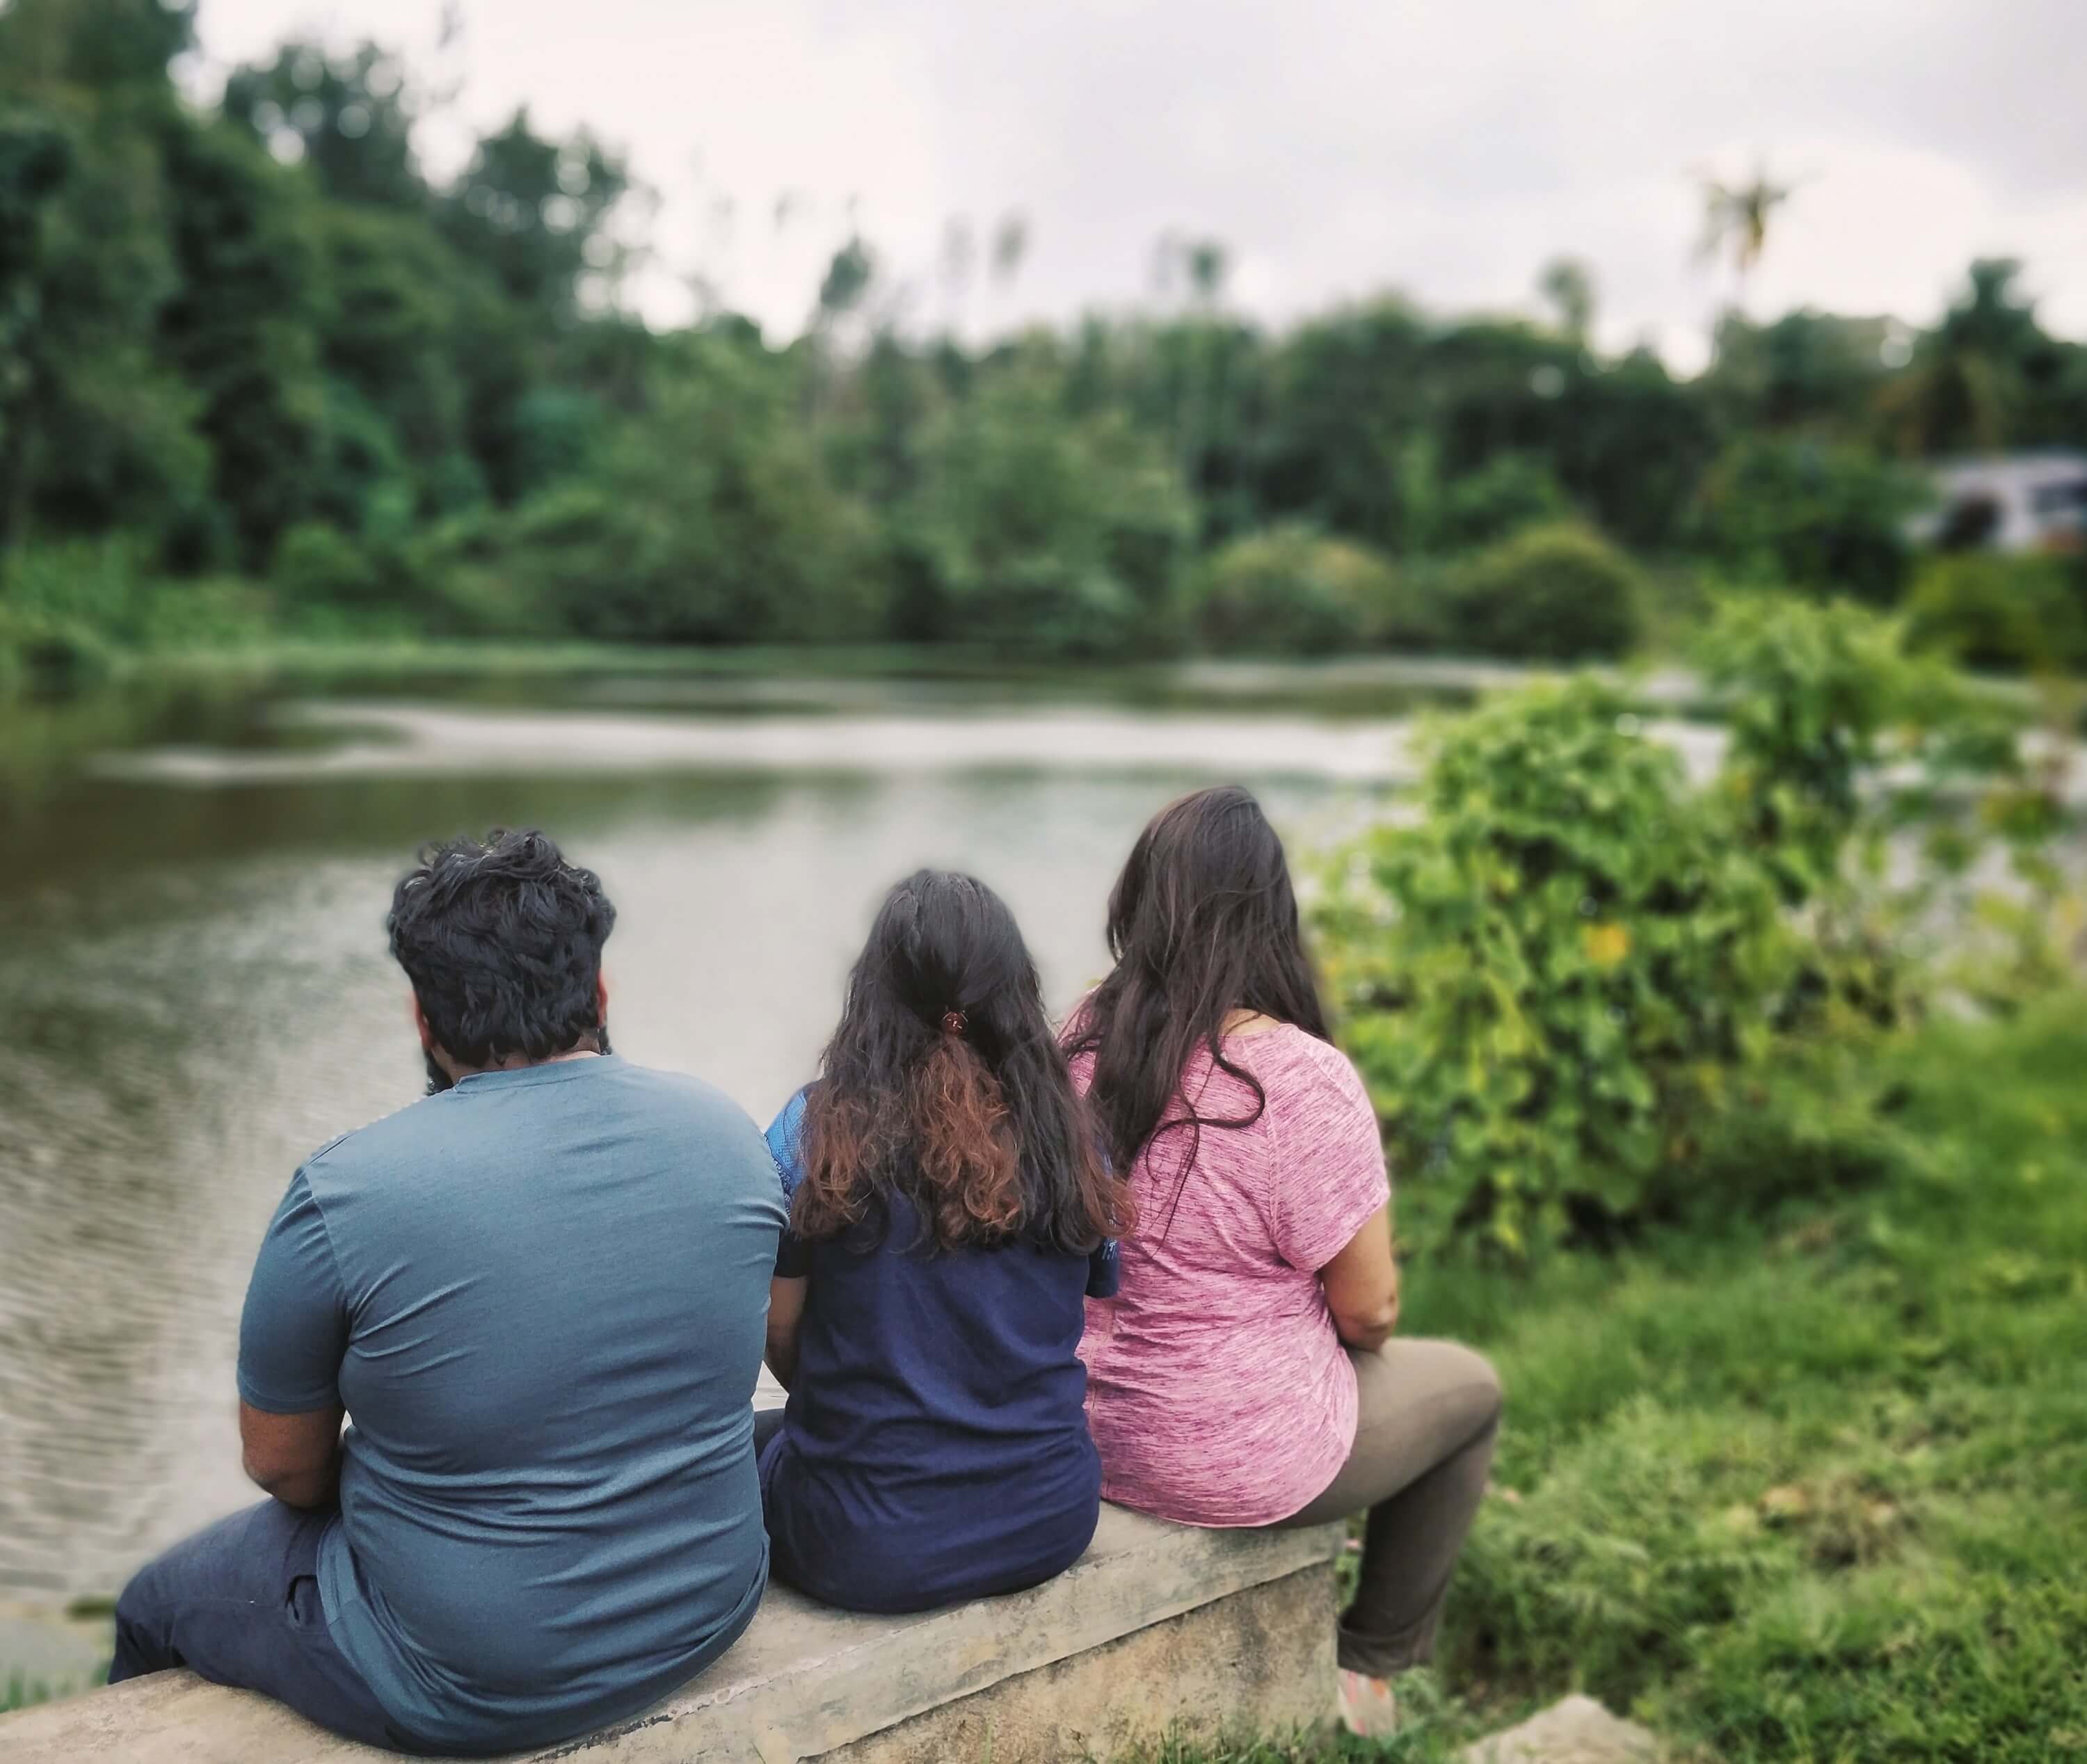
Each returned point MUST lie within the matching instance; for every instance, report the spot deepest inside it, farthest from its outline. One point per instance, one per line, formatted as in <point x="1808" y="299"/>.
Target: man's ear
<point x="600" y="998"/>
<point x="420" y="1024"/>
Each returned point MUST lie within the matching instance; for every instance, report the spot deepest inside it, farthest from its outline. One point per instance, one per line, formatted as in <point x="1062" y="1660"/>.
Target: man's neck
<point x="521" y="1063"/>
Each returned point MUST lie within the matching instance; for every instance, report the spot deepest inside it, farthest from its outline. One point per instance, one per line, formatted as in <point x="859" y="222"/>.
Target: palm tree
<point x="1735" y="217"/>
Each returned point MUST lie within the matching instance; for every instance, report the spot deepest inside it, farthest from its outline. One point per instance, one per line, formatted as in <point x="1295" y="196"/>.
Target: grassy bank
<point x="1811" y="1487"/>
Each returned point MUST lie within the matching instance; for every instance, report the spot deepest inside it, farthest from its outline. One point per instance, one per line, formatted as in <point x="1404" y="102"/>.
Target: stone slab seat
<point x="1158" y="1625"/>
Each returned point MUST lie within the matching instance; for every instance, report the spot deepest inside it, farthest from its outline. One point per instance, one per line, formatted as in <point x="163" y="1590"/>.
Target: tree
<point x="243" y="325"/>
<point x="349" y="117"/>
<point x="1735" y="219"/>
<point x="1810" y="370"/>
<point x="94" y="428"/>
<point x="1987" y="376"/>
<point x="1345" y="406"/>
<point x="1041" y="532"/>
<point x="536" y="212"/>
<point x="1568" y="285"/>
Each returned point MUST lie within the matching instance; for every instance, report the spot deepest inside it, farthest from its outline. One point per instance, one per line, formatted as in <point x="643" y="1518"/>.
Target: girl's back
<point x="948" y="1211"/>
<point x="1219" y="1394"/>
<point x="936" y="1449"/>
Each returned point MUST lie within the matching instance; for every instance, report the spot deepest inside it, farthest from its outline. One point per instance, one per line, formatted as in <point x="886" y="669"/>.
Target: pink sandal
<point x="1368" y="1709"/>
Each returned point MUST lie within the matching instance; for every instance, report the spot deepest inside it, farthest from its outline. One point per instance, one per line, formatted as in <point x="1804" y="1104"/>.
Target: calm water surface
<point x="195" y="992"/>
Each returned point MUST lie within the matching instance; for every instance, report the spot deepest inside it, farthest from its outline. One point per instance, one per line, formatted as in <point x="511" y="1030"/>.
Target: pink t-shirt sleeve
<point x="1329" y="1170"/>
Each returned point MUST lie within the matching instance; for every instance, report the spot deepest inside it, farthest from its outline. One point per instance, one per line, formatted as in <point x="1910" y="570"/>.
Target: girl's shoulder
<point x="1299" y="1072"/>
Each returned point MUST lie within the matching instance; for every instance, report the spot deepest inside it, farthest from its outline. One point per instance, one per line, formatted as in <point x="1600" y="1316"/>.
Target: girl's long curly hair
<point x="1203" y="921"/>
<point x="944" y="1085"/>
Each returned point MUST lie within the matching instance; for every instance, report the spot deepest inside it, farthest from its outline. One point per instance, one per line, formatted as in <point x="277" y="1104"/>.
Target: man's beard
<point x="439" y="1080"/>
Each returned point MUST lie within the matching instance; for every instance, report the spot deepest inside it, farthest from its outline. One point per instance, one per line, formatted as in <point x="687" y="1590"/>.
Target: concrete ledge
<point x="1156" y="1624"/>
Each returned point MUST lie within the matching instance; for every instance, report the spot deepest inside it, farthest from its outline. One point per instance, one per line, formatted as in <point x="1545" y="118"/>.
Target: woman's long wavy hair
<point x="944" y="1085"/>
<point x="1202" y="923"/>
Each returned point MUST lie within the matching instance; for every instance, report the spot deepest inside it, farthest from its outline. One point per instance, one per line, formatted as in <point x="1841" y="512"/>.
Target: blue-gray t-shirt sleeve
<point x="786" y="1144"/>
<point x="293" y="1333"/>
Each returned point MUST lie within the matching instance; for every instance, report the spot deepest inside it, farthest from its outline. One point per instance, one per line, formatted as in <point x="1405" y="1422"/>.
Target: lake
<point x="196" y="991"/>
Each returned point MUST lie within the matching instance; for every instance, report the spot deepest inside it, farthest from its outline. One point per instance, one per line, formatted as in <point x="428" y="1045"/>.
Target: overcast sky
<point x="1444" y="147"/>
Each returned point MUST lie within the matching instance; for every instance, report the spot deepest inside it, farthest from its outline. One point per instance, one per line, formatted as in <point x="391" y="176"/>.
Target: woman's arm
<point x="786" y="1314"/>
<point x="1361" y="1285"/>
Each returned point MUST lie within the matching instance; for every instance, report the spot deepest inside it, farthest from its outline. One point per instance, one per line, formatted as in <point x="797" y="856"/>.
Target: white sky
<point x="1444" y="147"/>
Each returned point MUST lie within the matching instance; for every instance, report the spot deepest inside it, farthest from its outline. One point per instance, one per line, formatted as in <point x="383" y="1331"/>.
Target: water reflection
<point x="197" y="994"/>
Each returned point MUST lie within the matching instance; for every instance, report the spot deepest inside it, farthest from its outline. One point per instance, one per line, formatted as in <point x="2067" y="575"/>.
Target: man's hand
<point x="296" y="1458"/>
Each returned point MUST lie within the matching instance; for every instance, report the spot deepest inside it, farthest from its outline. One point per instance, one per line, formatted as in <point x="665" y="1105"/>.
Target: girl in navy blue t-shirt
<point x="949" y="1213"/>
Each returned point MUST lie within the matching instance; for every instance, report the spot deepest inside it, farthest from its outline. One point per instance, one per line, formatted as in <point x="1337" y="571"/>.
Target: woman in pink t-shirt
<point x="1246" y="1373"/>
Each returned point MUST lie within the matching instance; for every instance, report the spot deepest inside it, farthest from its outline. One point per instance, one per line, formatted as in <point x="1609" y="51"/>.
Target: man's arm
<point x="293" y="1337"/>
<point x="296" y="1458"/>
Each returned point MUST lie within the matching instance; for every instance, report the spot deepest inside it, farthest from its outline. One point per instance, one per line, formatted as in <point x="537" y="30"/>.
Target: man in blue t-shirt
<point x="540" y="1293"/>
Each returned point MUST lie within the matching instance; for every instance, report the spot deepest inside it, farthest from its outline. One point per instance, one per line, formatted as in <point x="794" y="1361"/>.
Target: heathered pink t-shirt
<point x="1217" y="1391"/>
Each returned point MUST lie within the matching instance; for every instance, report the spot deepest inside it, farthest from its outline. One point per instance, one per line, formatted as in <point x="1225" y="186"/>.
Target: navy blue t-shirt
<point x="936" y="1447"/>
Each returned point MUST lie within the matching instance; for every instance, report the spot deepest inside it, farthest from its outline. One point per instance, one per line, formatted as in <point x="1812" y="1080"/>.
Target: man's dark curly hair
<point x="501" y="940"/>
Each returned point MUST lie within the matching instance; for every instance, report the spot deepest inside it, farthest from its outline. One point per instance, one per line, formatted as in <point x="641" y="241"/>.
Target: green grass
<point x="1814" y="1487"/>
<point x="18" y="1692"/>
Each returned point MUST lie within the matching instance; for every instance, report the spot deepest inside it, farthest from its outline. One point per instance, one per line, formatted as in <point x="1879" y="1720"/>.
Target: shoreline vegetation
<point x="266" y="378"/>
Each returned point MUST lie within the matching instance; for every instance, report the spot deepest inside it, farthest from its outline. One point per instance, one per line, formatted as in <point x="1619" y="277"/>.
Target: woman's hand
<point x="1361" y="1285"/>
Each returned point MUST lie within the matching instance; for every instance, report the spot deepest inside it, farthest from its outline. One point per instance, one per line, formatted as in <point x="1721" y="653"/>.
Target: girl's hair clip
<point x="953" y="1022"/>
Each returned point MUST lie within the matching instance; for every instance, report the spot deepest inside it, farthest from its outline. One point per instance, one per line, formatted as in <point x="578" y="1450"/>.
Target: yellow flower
<point x="1606" y="945"/>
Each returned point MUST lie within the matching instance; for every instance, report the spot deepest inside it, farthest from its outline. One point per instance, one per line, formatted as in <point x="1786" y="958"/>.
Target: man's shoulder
<point x="378" y="1137"/>
<point x="693" y="1100"/>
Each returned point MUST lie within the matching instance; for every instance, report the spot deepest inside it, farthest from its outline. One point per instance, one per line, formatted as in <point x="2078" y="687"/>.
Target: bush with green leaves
<point x="1551" y="594"/>
<point x="1293" y="591"/>
<point x="1988" y="610"/>
<point x="1551" y="977"/>
<point x="1560" y="975"/>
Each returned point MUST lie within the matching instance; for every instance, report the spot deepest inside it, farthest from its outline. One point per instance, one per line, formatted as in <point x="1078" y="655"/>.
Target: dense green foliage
<point x="1549" y="977"/>
<point x="1572" y="965"/>
<point x="1988" y="611"/>
<point x="1831" y="519"/>
<point x="258" y="341"/>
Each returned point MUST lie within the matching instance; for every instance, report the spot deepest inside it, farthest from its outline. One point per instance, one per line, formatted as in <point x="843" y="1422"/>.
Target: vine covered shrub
<point x="1551" y="594"/>
<point x="1555" y="977"/>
